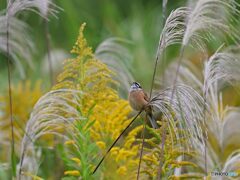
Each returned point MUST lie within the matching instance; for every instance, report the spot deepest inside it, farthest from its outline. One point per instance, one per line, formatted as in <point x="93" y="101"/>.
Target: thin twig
<point x="21" y="163"/>
<point x="164" y="3"/>
<point x="141" y="151"/>
<point x="205" y="134"/>
<point x="155" y="69"/>
<point x="164" y="15"/>
<point x="100" y="162"/>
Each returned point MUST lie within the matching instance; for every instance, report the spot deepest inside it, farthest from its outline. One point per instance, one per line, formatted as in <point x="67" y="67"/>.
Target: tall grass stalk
<point x="164" y="7"/>
<point x="13" y="8"/>
<point x="10" y="97"/>
<point x="164" y="16"/>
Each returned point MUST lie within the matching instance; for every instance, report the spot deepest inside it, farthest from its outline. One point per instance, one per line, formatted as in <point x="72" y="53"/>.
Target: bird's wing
<point x="146" y="97"/>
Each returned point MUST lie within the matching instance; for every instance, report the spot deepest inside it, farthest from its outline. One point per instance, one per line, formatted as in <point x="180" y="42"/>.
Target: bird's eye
<point x="138" y="85"/>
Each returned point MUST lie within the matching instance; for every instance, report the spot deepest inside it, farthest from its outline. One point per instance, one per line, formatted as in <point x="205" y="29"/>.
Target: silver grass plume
<point x="222" y="122"/>
<point x="194" y="25"/>
<point x="173" y="29"/>
<point x="207" y="19"/>
<point x="40" y="7"/>
<point x="232" y="163"/>
<point x="221" y="68"/>
<point x="222" y="154"/>
<point x="12" y="45"/>
<point x="19" y="41"/>
<point x="114" y="53"/>
<point x="223" y="126"/>
<point x="204" y="21"/>
<point x="224" y="66"/>
<point x="53" y="111"/>
<point x="187" y="76"/>
<point x="15" y="33"/>
<point x="185" y="107"/>
<point x="172" y="33"/>
<point x="230" y="127"/>
<point x="57" y="57"/>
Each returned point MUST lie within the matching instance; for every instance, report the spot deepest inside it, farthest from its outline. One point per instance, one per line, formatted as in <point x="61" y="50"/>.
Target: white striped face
<point x="135" y="87"/>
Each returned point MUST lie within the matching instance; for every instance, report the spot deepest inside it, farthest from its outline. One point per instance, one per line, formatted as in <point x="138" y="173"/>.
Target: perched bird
<point x="139" y="100"/>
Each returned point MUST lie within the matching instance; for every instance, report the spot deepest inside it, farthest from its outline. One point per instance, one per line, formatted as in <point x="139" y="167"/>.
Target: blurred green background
<point x="139" y="21"/>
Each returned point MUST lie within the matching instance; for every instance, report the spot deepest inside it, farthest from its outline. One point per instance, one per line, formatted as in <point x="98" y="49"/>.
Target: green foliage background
<point x="137" y="20"/>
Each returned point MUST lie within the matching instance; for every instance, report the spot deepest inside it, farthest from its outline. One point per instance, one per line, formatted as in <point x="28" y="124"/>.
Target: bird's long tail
<point x="152" y="121"/>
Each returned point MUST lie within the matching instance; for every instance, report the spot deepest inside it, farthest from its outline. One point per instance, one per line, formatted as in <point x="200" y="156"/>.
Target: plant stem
<point x="159" y="46"/>
<point x="164" y="14"/>
<point x="21" y="163"/>
<point x="141" y="151"/>
<point x="205" y="134"/>
<point x="10" y="99"/>
<point x="100" y="162"/>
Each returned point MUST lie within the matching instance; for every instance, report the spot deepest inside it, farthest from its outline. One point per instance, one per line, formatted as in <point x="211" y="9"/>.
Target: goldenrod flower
<point x="69" y="142"/>
<point x="24" y="96"/>
<point x="122" y="170"/>
<point x="77" y="160"/>
<point x="102" y="105"/>
<point x="101" y="144"/>
<point x="72" y="173"/>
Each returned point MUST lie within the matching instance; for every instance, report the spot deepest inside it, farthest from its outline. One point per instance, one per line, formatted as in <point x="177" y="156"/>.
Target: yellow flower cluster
<point x="24" y="96"/>
<point x="151" y="160"/>
<point x="100" y="103"/>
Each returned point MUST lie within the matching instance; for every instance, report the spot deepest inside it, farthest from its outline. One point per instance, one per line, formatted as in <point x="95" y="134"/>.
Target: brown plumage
<point x="139" y="100"/>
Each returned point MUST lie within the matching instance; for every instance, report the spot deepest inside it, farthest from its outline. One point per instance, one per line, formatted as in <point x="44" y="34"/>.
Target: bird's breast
<point x="137" y="100"/>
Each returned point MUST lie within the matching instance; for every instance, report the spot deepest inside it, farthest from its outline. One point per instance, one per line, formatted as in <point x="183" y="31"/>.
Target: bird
<point x="139" y="101"/>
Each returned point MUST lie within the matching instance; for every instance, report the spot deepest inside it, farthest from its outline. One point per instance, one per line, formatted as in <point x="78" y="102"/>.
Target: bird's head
<point x="135" y="86"/>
